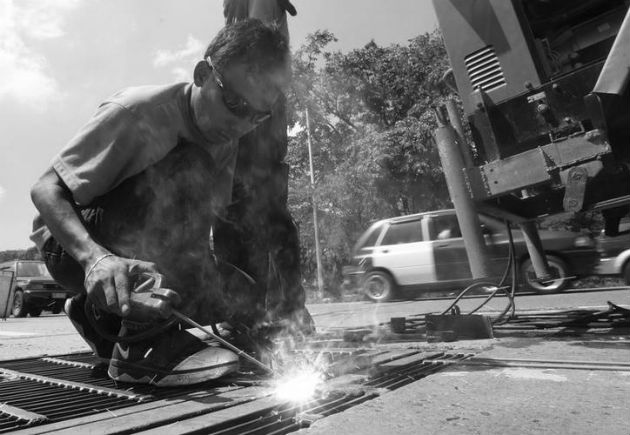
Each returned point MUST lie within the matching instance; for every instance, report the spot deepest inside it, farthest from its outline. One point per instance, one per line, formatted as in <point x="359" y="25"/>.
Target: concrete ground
<point x="471" y="399"/>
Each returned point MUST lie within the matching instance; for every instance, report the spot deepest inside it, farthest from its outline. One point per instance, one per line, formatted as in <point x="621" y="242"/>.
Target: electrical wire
<point x="511" y="269"/>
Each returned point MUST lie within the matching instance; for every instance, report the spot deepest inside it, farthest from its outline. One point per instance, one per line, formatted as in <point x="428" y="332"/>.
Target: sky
<point x="59" y="59"/>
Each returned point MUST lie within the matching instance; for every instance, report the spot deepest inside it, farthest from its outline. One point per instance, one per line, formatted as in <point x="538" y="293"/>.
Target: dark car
<point x="34" y="290"/>
<point x="426" y="251"/>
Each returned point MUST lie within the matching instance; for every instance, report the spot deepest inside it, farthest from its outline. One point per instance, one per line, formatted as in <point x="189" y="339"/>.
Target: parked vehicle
<point x="34" y="290"/>
<point x="426" y="251"/>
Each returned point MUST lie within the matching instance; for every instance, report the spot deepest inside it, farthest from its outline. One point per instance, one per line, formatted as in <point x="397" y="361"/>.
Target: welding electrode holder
<point x="150" y="305"/>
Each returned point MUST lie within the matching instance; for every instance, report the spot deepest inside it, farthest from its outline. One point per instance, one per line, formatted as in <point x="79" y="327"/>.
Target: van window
<point x="404" y="232"/>
<point x="445" y="227"/>
<point x="369" y="238"/>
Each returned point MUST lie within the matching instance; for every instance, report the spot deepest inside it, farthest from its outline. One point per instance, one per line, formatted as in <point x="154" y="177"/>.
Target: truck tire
<point x="57" y="308"/>
<point x="557" y="267"/>
<point x="378" y="286"/>
<point x="19" y="307"/>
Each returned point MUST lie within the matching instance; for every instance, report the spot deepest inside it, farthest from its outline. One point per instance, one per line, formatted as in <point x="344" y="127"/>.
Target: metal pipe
<point x="614" y="76"/>
<point x="535" y="249"/>
<point x="318" y="254"/>
<point x="222" y="341"/>
<point x="456" y="122"/>
<point x="453" y="167"/>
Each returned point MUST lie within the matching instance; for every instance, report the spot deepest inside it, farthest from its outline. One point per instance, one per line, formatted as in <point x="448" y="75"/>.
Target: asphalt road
<point x="354" y="314"/>
<point x="54" y="334"/>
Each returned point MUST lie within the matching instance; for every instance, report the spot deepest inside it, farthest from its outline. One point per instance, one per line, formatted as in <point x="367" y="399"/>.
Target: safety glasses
<point x="236" y="104"/>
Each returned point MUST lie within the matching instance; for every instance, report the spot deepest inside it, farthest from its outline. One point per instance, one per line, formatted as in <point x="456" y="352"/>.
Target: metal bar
<point x="22" y="414"/>
<point x="535" y="249"/>
<point x="40" y="399"/>
<point x="615" y="202"/>
<point x="53" y="410"/>
<point x="68" y="363"/>
<point x="549" y="366"/>
<point x="551" y="361"/>
<point x="24" y="388"/>
<point x="613" y="78"/>
<point x="76" y="385"/>
<point x="222" y="341"/>
<point x="453" y="167"/>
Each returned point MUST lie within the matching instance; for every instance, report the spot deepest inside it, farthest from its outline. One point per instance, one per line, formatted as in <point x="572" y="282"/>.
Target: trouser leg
<point x="258" y="234"/>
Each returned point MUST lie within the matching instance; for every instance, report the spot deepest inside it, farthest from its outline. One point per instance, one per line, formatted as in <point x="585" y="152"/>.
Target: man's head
<point x="241" y="77"/>
<point x="262" y="47"/>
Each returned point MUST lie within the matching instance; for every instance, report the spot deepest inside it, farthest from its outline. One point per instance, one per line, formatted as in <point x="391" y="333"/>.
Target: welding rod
<point x="222" y="341"/>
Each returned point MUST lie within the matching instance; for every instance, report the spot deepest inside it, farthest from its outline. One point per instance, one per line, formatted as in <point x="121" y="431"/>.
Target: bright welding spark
<point x="300" y="385"/>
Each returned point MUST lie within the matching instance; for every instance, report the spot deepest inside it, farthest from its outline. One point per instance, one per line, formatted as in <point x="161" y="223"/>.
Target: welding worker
<point x="138" y="190"/>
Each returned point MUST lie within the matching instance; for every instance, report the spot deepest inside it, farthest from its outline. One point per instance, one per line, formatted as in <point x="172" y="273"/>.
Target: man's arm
<point x="107" y="275"/>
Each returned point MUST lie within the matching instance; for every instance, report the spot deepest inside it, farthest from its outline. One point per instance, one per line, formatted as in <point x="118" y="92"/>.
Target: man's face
<point x="236" y="101"/>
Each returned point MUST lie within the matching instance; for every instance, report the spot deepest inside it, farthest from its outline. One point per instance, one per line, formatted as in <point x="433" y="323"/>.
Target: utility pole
<point x="318" y="255"/>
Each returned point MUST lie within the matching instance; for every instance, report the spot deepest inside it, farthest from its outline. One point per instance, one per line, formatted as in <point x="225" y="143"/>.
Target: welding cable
<point x="511" y="295"/>
<point x="501" y="286"/>
<point x="509" y="291"/>
<point x="469" y="288"/>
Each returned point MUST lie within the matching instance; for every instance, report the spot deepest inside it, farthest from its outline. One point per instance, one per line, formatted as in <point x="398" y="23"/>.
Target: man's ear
<point x="202" y="72"/>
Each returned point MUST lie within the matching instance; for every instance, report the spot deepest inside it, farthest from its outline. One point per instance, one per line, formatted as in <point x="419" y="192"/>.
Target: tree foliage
<point x="370" y="113"/>
<point x="20" y="254"/>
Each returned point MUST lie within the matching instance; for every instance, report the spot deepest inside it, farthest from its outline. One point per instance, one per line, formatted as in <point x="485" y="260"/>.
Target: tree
<point x="371" y="122"/>
<point x="20" y="254"/>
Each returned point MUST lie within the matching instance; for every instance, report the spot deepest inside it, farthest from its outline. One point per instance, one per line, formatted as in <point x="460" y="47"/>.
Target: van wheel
<point x="19" y="308"/>
<point x="378" y="286"/>
<point x="559" y="270"/>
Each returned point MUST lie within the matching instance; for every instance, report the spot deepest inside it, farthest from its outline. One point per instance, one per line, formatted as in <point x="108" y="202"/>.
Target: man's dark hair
<point x="262" y="47"/>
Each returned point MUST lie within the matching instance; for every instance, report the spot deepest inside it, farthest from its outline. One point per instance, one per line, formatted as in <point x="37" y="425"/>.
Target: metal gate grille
<point x="42" y="391"/>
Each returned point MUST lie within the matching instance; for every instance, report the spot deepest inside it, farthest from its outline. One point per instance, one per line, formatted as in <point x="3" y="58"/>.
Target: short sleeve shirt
<point x="129" y="132"/>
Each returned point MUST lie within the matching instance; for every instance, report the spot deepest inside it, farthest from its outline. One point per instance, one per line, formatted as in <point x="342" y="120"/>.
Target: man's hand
<point x="108" y="278"/>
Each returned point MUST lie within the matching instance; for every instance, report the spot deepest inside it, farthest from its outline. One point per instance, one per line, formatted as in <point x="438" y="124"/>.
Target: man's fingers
<point x="109" y="283"/>
<point x="111" y="296"/>
<point x="122" y="293"/>
<point x="138" y="267"/>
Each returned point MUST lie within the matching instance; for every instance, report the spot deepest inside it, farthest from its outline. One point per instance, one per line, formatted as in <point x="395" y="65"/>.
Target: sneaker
<point x="75" y="310"/>
<point x="174" y="358"/>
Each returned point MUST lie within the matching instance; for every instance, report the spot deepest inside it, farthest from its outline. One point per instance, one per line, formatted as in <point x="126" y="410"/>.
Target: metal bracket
<point x="575" y="189"/>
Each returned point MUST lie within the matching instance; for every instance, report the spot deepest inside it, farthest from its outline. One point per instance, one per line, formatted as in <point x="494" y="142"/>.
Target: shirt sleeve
<point x="113" y="146"/>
